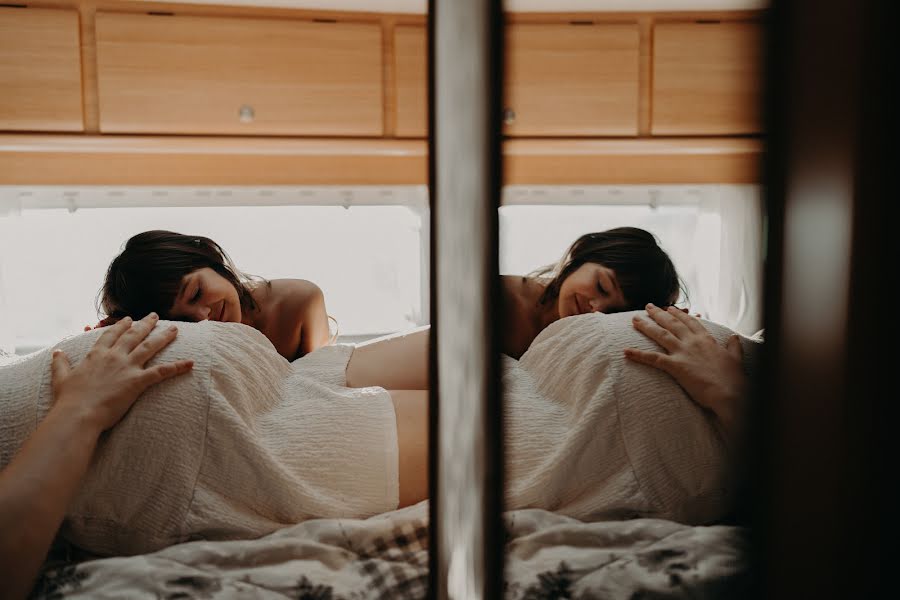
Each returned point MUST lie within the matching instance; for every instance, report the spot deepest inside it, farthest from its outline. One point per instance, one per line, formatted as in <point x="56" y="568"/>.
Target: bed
<point x="386" y="556"/>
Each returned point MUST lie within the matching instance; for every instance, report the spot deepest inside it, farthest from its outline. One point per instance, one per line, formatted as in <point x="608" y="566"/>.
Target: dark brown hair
<point x="146" y="276"/>
<point x="644" y="271"/>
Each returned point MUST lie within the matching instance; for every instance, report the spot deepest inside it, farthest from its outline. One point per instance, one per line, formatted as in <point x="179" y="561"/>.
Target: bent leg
<point x="396" y="362"/>
<point x="411" y="410"/>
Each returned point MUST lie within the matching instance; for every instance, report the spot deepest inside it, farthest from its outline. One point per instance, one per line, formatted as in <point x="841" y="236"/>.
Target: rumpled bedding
<point x="386" y="556"/>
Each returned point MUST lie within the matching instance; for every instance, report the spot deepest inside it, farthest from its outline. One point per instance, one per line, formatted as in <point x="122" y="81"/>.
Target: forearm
<point x="398" y="362"/>
<point x="35" y="491"/>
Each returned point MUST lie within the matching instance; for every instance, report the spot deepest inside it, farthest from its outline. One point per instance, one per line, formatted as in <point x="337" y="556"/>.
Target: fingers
<point x="691" y="323"/>
<point x="160" y="373"/>
<point x="59" y="367"/>
<point x="656" y="333"/>
<point x="651" y="359"/>
<point x="152" y="345"/>
<point x="137" y="333"/>
<point x="112" y="334"/>
<point x="667" y="320"/>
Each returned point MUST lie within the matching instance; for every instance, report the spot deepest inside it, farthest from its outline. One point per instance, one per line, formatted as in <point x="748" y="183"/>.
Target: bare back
<point x="292" y="315"/>
<point x="523" y="317"/>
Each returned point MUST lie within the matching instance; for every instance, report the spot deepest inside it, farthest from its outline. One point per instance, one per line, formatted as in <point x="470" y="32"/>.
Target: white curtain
<point x="731" y="282"/>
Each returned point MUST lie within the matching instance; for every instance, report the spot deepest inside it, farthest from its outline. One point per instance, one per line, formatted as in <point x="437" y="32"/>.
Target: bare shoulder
<point x="519" y="306"/>
<point x="294" y="293"/>
<point x="513" y="288"/>
<point x="295" y="320"/>
<point x="294" y="286"/>
<point x="518" y="296"/>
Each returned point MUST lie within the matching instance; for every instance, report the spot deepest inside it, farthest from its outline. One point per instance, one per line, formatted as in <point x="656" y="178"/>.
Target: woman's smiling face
<point x="590" y="288"/>
<point x="204" y="294"/>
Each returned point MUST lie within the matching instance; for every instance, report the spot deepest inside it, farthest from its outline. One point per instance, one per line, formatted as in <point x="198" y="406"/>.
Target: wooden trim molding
<point x="162" y="160"/>
<point x="632" y="161"/>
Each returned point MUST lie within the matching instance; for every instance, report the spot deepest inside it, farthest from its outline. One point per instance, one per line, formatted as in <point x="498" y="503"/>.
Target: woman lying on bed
<point x="41" y="483"/>
<point x="37" y="486"/>
<point x="191" y="278"/>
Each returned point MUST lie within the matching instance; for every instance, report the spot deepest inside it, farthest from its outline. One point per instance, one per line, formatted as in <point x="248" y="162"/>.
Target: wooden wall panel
<point x="212" y="75"/>
<point x="706" y="78"/>
<point x="40" y="70"/>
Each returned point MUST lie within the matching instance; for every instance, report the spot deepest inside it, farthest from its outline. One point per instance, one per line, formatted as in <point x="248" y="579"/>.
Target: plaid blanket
<point x="548" y="556"/>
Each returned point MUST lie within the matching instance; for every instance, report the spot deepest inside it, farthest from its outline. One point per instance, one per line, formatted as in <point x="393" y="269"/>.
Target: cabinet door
<point x="220" y="75"/>
<point x="561" y="80"/>
<point x="411" y="69"/>
<point x="40" y="70"/>
<point x="706" y="78"/>
<point x="572" y="80"/>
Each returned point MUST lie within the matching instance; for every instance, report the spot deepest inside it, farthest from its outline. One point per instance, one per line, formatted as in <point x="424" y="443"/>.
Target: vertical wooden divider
<point x="89" y="92"/>
<point x="645" y="75"/>
<point x="389" y="76"/>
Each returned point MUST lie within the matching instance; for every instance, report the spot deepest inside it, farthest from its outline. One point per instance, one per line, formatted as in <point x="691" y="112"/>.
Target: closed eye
<point x="600" y="289"/>
<point x="196" y="295"/>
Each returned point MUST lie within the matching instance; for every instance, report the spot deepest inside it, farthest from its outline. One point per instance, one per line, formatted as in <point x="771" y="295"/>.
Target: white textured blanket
<point x="595" y="436"/>
<point x="243" y="445"/>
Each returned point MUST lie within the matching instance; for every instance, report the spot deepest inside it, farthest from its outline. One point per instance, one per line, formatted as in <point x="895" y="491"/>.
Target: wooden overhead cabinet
<point x="561" y="80"/>
<point x="706" y="79"/>
<point x="40" y="70"/>
<point x="572" y="80"/>
<point x="172" y="74"/>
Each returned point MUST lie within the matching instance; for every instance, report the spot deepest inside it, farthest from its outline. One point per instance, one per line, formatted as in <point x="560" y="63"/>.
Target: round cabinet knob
<point x="246" y="114"/>
<point x="509" y="116"/>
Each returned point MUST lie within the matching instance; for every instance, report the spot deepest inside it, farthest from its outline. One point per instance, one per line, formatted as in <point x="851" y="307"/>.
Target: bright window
<point x="711" y="232"/>
<point x="368" y="260"/>
<point x="367" y="248"/>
